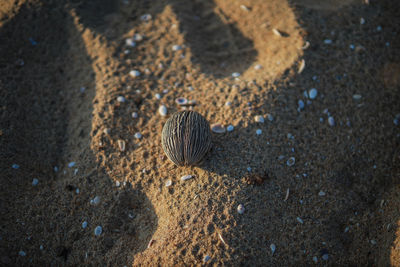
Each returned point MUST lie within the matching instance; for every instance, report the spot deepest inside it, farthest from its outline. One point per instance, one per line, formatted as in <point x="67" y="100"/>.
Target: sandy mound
<point x="320" y="184"/>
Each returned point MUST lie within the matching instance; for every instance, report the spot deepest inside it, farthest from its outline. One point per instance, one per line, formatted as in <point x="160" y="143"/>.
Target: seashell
<point x="301" y="66"/>
<point x="306" y="45"/>
<point x="186" y="138"/>
<point x="277" y="32"/>
<point x="162" y="110"/>
<point x="186" y="177"/>
<point x="217" y="128"/>
<point x="181" y="101"/>
<point x="121" y="145"/>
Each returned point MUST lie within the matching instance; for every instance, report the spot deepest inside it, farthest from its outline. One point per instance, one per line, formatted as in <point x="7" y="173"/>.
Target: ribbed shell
<point x="186" y="138"/>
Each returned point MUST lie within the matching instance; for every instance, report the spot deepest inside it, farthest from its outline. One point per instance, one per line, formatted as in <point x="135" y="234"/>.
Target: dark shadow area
<point x="45" y="118"/>
<point x="216" y="44"/>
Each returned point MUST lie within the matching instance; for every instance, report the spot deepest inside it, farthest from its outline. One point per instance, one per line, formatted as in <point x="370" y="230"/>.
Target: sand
<point x="63" y="64"/>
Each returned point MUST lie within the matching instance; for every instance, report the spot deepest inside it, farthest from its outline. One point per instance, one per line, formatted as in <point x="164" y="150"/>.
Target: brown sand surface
<point x="63" y="64"/>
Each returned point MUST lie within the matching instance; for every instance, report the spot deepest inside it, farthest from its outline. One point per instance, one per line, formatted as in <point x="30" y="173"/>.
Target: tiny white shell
<point x="276" y="32"/>
<point x="121" y="145"/>
<point x="306" y="45"/>
<point x="301" y="66"/>
<point x="258" y="67"/>
<point x="218" y="128"/>
<point x="235" y="74"/>
<point x="134" y="73"/>
<point x="121" y="99"/>
<point x="186" y="177"/>
<point x="162" y="110"/>
<point x="135" y="115"/>
<point x="168" y="183"/>
<point x="138" y="135"/>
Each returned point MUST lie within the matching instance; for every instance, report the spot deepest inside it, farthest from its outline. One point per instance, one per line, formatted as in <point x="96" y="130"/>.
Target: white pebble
<point x="291" y="161"/>
<point x="356" y="97"/>
<point x="186" y="177"/>
<point x="313" y="93"/>
<point x="230" y="128"/>
<point x="117" y="183"/>
<point x="217" y="128"/>
<point x="168" y="183"/>
<point x="145" y="17"/>
<point x="138" y="135"/>
<point x="228" y="104"/>
<point x="258" y="67"/>
<point x="273" y="248"/>
<point x="158" y="96"/>
<point x="121" y="99"/>
<point x="321" y="193"/>
<point x="135" y="115"/>
<point x="137" y="37"/>
<point x="98" y="230"/>
<point x="258" y="131"/>
<point x="235" y="74"/>
<point x="259" y="118"/>
<point x="331" y="121"/>
<point x="240" y="209"/>
<point x="299" y="220"/>
<point x="84" y="224"/>
<point x="71" y="164"/>
<point x="35" y="181"/>
<point x="134" y="73"/>
<point x="162" y="110"/>
<point x="130" y="42"/>
<point x="176" y="47"/>
<point x="22" y="253"/>
<point x="95" y="201"/>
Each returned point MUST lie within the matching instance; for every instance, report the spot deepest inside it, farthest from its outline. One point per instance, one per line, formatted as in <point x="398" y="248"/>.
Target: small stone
<point x="259" y="119"/>
<point x="315" y="259"/>
<point x="240" y="209"/>
<point x="95" y="201"/>
<point x="249" y="169"/>
<point x="235" y="74"/>
<point x="71" y="164"/>
<point x="230" y="128"/>
<point x="162" y="110"/>
<point x="291" y="161"/>
<point x="134" y="73"/>
<point x="258" y="67"/>
<point x="41" y="247"/>
<point x="258" y="131"/>
<point x="373" y="242"/>
<point x="158" y="96"/>
<point x="206" y="258"/>
<point x="22" y="253"/>
<point x="117" y="183"/>
<point x="77" y="191"/>
<point x="270" y="117"/>
<point x="35" y="181"/>
<point x="137" y="37"/>
<point x="145" y="17"/>
<point x="273" y="248"/>
<point x="82" y="89"/>
<point x="176" y="47"/>
<point x="186" y="177"/>
<point x="356" y="97"/>
<point x="98" y="230"/>
<point x="121" y="99"/>
<point x="168" y="183"/>
<point x="15" y="166"/>
<point x="130" y="42"/>
<point x="84" y="224"/>
<point x="379" y="28"/>
<point x="299" y="220"/>
<point x="135" y="115"/>
<point x="331" y="121"/>
<point x="190" y="88"/>
<point x="228" y="104"/>
<point x="313" y="93"/>
<point x="321" y="193"/>
<point x="218" y="128"/>
<point x="107" y="131"/>
<point x="138" y="135"/>
<point x="325" y="257"/>
<point x="327" y="41"/>
<point x="301" y="105"/>
<point x="55" y="169"/>
<point x="362" y="21"/>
